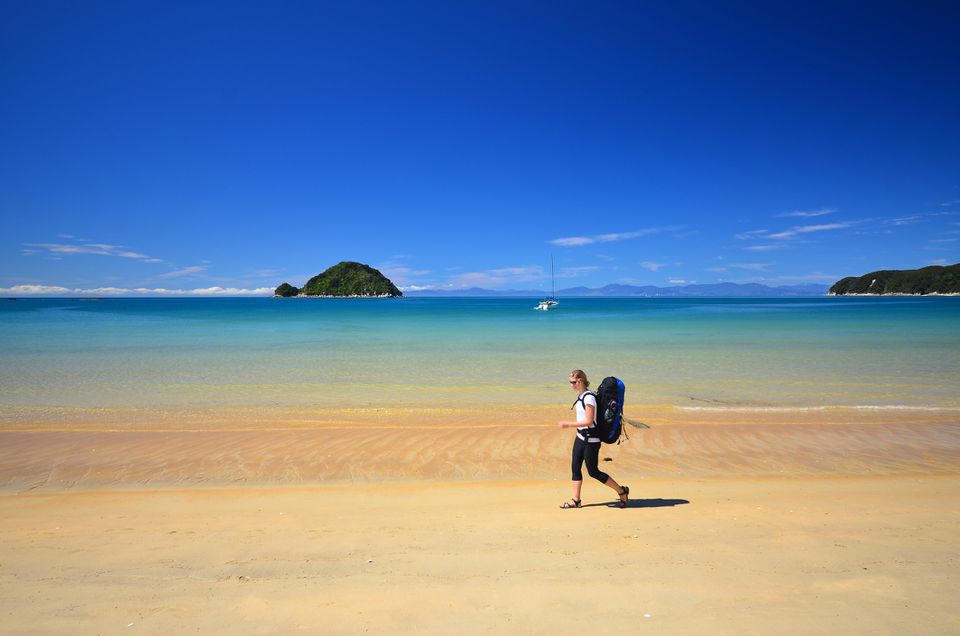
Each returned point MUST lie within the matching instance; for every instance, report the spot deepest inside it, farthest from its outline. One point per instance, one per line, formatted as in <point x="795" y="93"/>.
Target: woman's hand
<point x="562" y="424"/>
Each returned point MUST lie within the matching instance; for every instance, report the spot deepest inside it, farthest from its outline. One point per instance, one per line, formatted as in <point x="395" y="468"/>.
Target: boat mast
<point x="553" y="291"/>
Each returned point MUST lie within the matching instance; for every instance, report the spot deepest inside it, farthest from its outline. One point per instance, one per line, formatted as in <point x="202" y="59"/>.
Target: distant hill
<point x="936" y="279"/>
<point x="719" y="290"/>
<point x="346" y="279"/>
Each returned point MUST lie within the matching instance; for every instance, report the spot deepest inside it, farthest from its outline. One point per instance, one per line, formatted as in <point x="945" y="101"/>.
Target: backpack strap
<point x="581" y="399"/>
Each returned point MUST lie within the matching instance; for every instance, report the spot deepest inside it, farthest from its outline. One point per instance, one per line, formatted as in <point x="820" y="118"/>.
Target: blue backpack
<point x="608" y="420"/>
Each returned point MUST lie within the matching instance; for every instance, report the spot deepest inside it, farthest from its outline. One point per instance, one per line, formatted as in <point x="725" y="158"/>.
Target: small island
<point x="346" y="279"/>
<point x="935" y="280"/>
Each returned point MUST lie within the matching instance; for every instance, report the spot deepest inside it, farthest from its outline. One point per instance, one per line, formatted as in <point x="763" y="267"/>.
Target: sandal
<point x="624" y="496"/>
<point x="573" y="503"/>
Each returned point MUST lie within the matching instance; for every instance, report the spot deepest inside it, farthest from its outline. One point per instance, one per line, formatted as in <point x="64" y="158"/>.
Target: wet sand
<point x="740" y="524"/>
<point x="387" y="446"/>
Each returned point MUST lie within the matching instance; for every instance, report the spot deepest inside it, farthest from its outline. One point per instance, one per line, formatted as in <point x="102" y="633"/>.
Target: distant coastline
<point x="900" y="295"/>
<point x="716" y="290"/>
<point x="935" y="280"/>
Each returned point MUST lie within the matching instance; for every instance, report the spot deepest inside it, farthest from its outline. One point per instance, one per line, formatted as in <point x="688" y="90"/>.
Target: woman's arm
<point x="588" y="412"/>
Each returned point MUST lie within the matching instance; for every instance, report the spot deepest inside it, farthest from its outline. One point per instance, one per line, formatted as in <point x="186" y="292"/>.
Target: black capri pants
<point x="589" y="453"/>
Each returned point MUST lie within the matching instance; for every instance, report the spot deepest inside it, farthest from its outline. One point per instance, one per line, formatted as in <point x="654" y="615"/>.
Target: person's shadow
<point x="642" y="503"/>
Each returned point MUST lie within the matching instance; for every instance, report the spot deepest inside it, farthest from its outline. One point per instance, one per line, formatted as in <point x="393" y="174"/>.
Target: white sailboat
<point x="550" y="301"/>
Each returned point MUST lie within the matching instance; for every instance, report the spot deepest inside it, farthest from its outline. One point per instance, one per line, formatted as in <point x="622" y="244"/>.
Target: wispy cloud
<point x="186" y="271"/>
<point x="269" y="272"/>
<point x="651" y="266"/>
<point x="579" y="241"/>
<point x="403" y="275"/>
<point x="907" y="220"/>
<point x="572" y="241"/>
<point x="751" y="235"/>
<point x="497" y="277"/>
<point x="58" y="290"/>
<point x="573" y="272"/>
<point x="818" y="278"/>
<point x="98" y="249"/>
<point x="782" y="238"/>
<point x="806" y="229"/>
<point x="754" y="267"/>
<point x="807" y="213"/>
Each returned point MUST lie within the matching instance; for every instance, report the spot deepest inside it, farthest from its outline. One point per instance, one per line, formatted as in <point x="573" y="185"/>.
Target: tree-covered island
<point x="936" y="279"/>
<point x="346" y="279"/>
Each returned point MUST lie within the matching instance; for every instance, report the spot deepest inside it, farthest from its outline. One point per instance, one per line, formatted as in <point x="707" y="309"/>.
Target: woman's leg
<point x="576" y="466"/>
<point x="592" y="457"/>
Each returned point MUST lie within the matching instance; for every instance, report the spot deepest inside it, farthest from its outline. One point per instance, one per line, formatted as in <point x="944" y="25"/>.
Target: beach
<point x="752" y="525"/>
<point x="256" y="467"/>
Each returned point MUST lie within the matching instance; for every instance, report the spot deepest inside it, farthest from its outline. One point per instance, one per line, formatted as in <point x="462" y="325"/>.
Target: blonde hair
<point x="577" y="374"/>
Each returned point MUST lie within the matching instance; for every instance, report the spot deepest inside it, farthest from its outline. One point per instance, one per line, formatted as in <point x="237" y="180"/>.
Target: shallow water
<point x="874" y="353"/>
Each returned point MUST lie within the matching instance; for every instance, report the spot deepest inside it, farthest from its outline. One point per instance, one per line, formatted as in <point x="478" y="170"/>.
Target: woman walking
<point x="586" y="447"/>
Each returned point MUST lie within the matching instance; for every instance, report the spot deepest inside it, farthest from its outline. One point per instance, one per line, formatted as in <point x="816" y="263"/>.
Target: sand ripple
<point x="458" y="448"/>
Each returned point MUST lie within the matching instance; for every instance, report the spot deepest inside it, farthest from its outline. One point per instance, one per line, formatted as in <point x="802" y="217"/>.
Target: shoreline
<point x="253" y="417"/>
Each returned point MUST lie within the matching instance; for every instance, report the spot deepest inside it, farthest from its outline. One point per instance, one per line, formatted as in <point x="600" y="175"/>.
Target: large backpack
<point x="609" y="417"/>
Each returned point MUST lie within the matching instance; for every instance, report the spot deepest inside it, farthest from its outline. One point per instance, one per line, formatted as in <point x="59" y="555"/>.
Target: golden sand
<point x="428" y="523"/>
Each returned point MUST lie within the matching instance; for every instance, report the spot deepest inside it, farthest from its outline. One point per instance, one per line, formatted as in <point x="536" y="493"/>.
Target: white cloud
<point x="651" y="266"/>
<point x="34" y="290"/>
<point x="498" y="277"/>
<point x="573" y="241"/>
<point x="573" y="272"/>
<point x="766" y="235"/>
<point x="269" y="272"/>
<point x="60" y="248"/>
<point x="524" y="273"/>
<point x="907" y="220"/>
<point x="132" y="255"/>
<point x="805" y="229"/>
<point x="578" y="241"/>
<point x="56" y="290"/>
<point x="763" y="248"/>
<point x="622" y="236"/>
<point x="818" y="277"/>
<point x="227" y="291"/>
<point x="808" y="214"/>
<point x="402" y="275"/>
<point x="754" y="267"/>
<point x="186" y="271"/>
<point x="98" y="249"/>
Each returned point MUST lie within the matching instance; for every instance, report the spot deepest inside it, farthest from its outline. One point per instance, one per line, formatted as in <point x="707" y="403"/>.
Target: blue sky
<point x="228" y="147"/>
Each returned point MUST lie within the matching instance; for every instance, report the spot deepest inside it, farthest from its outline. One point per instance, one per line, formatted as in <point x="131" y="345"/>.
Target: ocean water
<point x="794" y="354"/>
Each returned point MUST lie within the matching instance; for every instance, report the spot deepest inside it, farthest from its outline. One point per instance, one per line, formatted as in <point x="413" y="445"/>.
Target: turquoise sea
<point x="872" y="353"/>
